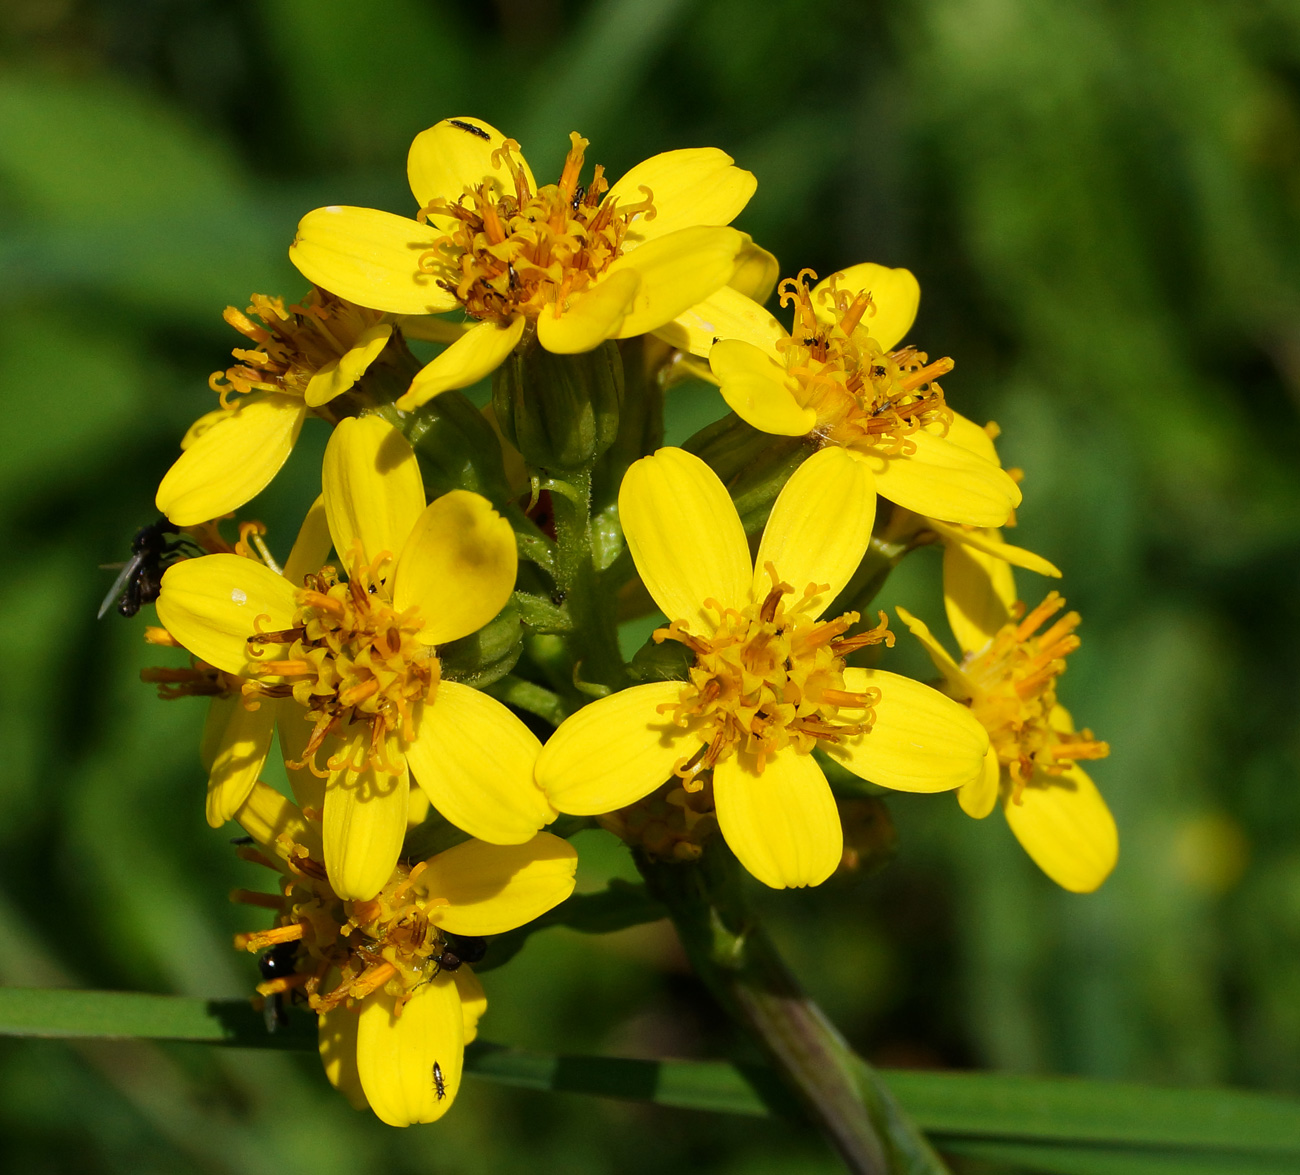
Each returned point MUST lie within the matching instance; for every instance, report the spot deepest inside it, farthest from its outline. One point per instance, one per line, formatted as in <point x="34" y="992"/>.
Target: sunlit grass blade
<point x="1062" y="1126"/>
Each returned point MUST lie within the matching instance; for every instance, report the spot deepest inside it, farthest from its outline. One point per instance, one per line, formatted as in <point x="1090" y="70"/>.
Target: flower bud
<point x="457" y="448"/>
<point x="753" y="465"/>
<point x="560" y="411"/>
<point x="487" y="655"/>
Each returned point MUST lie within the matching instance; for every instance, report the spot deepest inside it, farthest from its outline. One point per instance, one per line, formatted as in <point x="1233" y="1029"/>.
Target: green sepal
<point x="753" y="465"/>
<point x="487" y="655"/>
<point x="560" y="411"/>
<point x="456" y="448"/>
<point x="666" y="661"/>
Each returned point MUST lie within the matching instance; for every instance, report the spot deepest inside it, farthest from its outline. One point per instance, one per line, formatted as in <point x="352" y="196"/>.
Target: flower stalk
<point x="736" y="959"/>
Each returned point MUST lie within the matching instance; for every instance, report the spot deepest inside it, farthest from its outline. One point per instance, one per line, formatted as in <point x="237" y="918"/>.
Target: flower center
<point x="349" y="949"/>
<point x="1014" y="679"/>
<point x="290" y="345"/>
<point x="769" y="677"/>
<point x="519" y="252"/>
<point x="862" y="394"/>
<point x="352" y="660"/>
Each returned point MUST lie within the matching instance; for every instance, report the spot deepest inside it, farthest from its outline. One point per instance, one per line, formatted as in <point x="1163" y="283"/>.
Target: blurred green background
<point x="1102" y="203"/>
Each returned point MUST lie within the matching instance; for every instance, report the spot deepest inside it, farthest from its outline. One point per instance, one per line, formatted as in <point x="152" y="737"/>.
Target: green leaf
<point x="133" y="1014"/>
<point x="1062" y="1126"/>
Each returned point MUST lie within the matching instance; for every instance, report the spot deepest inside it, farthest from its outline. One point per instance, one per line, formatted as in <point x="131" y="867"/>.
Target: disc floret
<point x="862" y="394"/>
<point x="518" y="252"/>
<point x="770" y="676"/>
<point x="1013" y="688"/>
<point x="292" y="344"/>
<point x="353" y="659"/>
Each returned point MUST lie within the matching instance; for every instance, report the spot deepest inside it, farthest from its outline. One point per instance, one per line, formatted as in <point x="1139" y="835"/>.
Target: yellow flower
<point x="769" y="681"/>
<point x="302" y="358"/>
<point x="840" y="378"/>
<point x="396" y="1007"/>
<point x="1007" y="676"/>
<point x="584" y="264"/>
<point x="357" y="659"/>
<point x="977" y="561"/>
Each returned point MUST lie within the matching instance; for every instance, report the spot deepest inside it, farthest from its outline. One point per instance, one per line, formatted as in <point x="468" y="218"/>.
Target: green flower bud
<point x="560" y="411"/>
<point x="487" y="655"/>
<point x="456" y="448"/>
<point x="753" y="465"/>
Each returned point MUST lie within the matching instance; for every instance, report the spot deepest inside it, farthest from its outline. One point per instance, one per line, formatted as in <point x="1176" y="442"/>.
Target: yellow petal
<point x="945" y="481"/>
<point x="213" y="604"/>
<point x="921" y="741"/>
<point x="782" y="825"/>
<point x="591" y="317"/>
<point x="268" y="817"/>
<point x="204" y="424"/>
<point x="294" y="730"/>
<point x="972" y="438"/>
<point x="978" y="797"/>
<point x="676" y="272"/>
<point x="312" y="546"/>
<point x="364" y="823"/>
<point x="494" y="888"/>
<point x="685" y="536"/>
<point x="819" y="528"/>
<point x="396" y="1054"/>
<point x="241" y="752"/>
<point x="955" y="680"/>
<point x="695" y="186"/>
<point x="1065" y="826"/>
<point x="724" y="314"/>
<point x="989" y="541"/>
<point x="337" y="376"/>
<point x="614" y="751"/>
<point x="336" y="1040"/>
<point x="371" y="258"/>
<point x="458" y="566"/>
<point x="446" y="159"/>
<point x="473" y="1000"/>
<point x="233" y="461"/>
<point x="373" y="490"/>
<point x="757" y="389"/>
<point x="474" y="759"/>
<point x="895" y="296"/>
<point x="978" y="593"/>
<point x="477" y="353"/>
<point x="756" y="273"/>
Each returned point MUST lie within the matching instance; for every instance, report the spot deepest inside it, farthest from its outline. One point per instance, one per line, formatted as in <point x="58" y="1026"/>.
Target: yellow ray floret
<point x="1008" y="679"/>
<point x="769" y="682"/>
<point x="840" y="377"/>
<point x="580" y="263"/>
<point x="302" y="357"/>
<point x="396" y="1004"/>
<point x="353" y="660"/>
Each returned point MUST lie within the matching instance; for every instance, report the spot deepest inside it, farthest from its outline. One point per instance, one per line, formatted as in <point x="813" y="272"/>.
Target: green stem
<point x="592" y="607"/>
<point x="734" y="956"/>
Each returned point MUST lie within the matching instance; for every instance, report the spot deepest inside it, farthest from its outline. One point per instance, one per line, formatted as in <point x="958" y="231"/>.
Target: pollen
<point x="350" y="659"/>
<point x="1013" y="680"/>
<point x="770" y="676"/>
<point x="520" y="252"/>
<point x="862" y="394"/>
<point x="290" y="344"/>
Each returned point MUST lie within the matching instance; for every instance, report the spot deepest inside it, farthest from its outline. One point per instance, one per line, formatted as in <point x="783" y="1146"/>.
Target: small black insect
<point x="277" y="963"/>
<point x="458" y="949"/>
<point x="242" y="840"/>
<point x="439" y="1085"/>
<point x="578" y="196"/>
<point x="470" y="128"/>
<point x="139" y="582"/>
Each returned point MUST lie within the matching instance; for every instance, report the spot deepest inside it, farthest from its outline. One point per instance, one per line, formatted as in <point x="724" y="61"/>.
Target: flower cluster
<point x="438" y="656"/>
